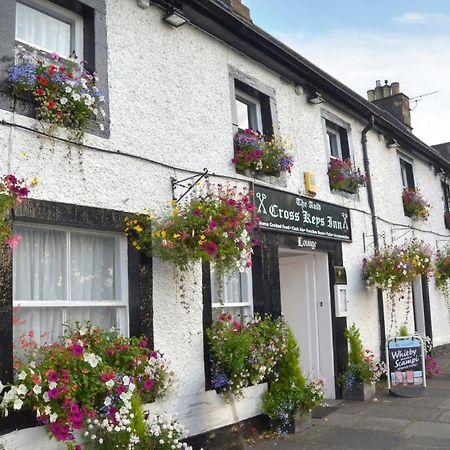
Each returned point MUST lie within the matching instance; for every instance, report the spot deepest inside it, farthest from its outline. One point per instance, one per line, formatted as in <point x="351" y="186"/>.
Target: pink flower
<point x="52" y="376"/>
<point x="13" y="241"/>
<point x="53" y="393"/>
<point x="148" y="385"/>
<point x="77" y="350"/>
<point x="211" y="248"/>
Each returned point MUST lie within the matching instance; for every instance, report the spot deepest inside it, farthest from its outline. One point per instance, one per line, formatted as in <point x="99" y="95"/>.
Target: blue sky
<point x="360" y="41"/>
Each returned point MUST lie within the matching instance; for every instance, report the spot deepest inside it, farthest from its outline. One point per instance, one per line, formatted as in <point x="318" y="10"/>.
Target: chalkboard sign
<point x="406" y="366"/>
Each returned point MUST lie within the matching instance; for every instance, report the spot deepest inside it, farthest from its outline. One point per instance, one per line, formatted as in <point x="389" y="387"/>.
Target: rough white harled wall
<point x="170" y="102"/>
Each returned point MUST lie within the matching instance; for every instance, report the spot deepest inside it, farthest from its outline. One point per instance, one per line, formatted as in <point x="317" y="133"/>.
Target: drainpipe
<point x="376" y="243"/>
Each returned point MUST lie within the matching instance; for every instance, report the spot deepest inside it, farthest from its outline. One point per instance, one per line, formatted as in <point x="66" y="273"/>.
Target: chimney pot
<point x="371" y="95"/>
<point x="378" y="83"/>
<point x="386" y="91"/>
<point x="395" y="88"/>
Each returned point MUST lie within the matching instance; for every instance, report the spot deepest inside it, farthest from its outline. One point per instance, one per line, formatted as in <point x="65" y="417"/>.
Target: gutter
<point x="376" y="244"/>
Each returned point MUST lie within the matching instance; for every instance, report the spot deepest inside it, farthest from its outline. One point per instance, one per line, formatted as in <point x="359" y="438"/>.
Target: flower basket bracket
<point x="187" y="183"/>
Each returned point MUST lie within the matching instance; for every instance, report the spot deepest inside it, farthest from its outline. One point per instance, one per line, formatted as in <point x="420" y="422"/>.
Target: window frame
<point x="335" y="126"/>
<point x="121" y="304"/>
<point x="405" y="164"/>
<point x="254" y="117"/>
<point x="62" y="14"/>
<point x="335" y="133"/>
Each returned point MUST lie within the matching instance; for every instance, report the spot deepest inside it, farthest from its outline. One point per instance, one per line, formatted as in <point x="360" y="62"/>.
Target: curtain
<point x="40" y="29"/>
<point x="40" y="274"/>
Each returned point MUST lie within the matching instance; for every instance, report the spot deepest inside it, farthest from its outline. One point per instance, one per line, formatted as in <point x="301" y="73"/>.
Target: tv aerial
<point x="418" y="98"/>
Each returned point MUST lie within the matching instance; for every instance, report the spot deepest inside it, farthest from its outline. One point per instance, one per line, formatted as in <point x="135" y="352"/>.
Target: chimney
<point x="390" y="98"/>
<point x="239" y="8"/>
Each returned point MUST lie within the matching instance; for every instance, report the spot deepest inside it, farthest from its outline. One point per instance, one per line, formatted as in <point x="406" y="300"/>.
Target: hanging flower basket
<point x="414" y="204"/>
<point x="12" y="192"/>
<point x="343" y="178"/>
<point x="393" y="268"/>
<point x="63" y="92"/>
<point x="214" y="225"/>
<point x="261" y="155"/>
<point x="442" y="271"/>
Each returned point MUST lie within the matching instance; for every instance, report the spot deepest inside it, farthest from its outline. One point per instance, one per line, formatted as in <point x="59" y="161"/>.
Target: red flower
<point x="42" y="80"/>
<point x="40" y="92"/>
<point x="51" y="104"/>
<point x="59" y="114"/>
<point x="52" y="70"/>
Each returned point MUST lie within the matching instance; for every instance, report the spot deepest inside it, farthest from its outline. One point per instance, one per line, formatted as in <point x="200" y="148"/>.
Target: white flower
<point x="126" y="380"/>
<point x="22" y="375"/>
<point x="53" y="417"/>
<point x="52" y="385"/>
<point x="107" y="401"/>
<point x="22" y="389"/>
<point x="109" y="384"/>
<point x="68" y="89"/>
<point x="92" y="359"/>
<point x="48" y="410"/>
<point x="46" y="397"/>
<point x="18" y="403"/>
<point x="76" y="96"/>
<point x="2" y="386"/>
<point x="102" y="127"/>
<point x="37" y="389"/>
<point x="63" y="100"/>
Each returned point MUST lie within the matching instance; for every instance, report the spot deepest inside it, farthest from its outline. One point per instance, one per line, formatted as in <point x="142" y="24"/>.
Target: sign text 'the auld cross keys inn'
<point x="288" y="213"/>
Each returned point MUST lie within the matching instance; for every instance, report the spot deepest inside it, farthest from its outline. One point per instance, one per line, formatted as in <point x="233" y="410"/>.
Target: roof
<point x="217" y="18"/>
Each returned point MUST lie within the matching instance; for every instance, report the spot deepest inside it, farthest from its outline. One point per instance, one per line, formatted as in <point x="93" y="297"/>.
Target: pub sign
<point x="289" y="213"/>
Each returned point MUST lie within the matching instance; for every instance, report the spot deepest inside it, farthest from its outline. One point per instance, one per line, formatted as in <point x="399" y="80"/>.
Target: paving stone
<point x="401" y="411"/>
<point x="428" y="429"/>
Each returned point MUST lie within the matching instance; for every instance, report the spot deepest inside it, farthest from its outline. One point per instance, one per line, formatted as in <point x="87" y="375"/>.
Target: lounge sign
<point x="289" y="213"/>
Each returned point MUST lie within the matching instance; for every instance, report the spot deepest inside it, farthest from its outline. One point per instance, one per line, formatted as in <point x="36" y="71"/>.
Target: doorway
<point x="306" y="306"/>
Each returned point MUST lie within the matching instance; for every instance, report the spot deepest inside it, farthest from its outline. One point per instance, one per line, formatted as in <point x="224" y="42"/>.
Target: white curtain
<point x="40" y="29"/>
<point x="40" y="274"/>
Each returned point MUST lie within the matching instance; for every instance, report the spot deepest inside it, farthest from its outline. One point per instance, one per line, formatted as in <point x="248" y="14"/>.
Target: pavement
<point x="384" y="423"/>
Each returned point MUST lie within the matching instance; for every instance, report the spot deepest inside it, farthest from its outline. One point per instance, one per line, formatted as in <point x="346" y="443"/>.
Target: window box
<point x="342" y="176"/>
<point x="414" y="205"/>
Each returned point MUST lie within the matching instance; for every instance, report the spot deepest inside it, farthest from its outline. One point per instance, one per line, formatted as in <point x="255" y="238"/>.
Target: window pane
<point x="333" y="144"/>
<point x="243" y="115"/>
<point x="40" y="265"/>
<point x="39" y="325"/>
<point x="92" y="267"/>
<point x="41" y="30"/>
<point x="241" y="314"/>
<point x="101" y="316"/>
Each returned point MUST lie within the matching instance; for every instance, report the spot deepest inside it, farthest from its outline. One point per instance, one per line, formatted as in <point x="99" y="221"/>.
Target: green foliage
<point x="289" y="392"/>
<point x="403" y="331"/>
<point x="247" y="354"/>
<point x="356" y="352"/>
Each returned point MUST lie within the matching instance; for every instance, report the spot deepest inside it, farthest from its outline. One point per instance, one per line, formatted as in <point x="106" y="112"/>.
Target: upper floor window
<point x="236" y="296"/>
<point x="248" y="112"/>
<point x="407" y="173"/>
<point x="45" y="26"/>
<point x="337" y="141"/>
<point x="63" y="275"/>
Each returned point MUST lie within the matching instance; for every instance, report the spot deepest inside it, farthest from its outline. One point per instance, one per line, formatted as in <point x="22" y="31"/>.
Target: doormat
<point x="321" y="412"/>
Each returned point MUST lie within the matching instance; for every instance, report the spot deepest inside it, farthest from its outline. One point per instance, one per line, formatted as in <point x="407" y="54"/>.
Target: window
<point x="237" y="296"/>
<point x="49" y="27"/>
<point x="337" y="141"/>
<point x="248" y="112"/>
<point x="63" y="275"/>
<point x="406" y="169"/>
<point x="446" y="196"/>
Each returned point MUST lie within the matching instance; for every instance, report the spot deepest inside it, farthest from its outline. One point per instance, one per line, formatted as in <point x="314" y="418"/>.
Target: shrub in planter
<point x="414" y="204"/>
<point x="63" y="92"/>
<point x="289" y="397"/>
<point x="89" y="378"/>
<point x="245" y="354"/>
<point x="12" y="192"/>
<point x="343" y="177"/>
<point x="361" y="373"/>
<point x="262" y="155"/>
<point x="215" y="225"/>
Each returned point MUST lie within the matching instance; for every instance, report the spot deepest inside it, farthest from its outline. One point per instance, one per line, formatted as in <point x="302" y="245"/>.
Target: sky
<point x="360" y="41"/>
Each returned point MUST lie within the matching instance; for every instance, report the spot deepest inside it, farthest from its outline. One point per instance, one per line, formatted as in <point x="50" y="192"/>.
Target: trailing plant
<point x="393" y="268"/>
<point x="214" y="225"/>
<point x="289" y="393"/>
<point x="90" y="377"/>
<point x="12" y="192"/>
<point x="414" y="204"/>
<point x="442" y="271"/>
<point x="246" y="354"/>
<point x="361" y="366"/>
<point x="63" y="91"/>
<point x="259" y="154"/>
<point x="342" y="176"/>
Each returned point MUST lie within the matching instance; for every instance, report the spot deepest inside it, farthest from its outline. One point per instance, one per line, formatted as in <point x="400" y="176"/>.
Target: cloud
<point x="359" y="58"/>
<point x="415" y="18"/>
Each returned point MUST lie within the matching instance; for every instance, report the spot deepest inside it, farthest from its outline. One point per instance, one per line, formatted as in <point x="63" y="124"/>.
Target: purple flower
<point x="77" y="350"/>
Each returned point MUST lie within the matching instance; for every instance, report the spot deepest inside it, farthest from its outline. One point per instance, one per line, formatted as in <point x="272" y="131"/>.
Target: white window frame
<point x="121" y="304"/>
<point x="64" y="15"/>
<point x="334" y="132"/>
<point x="255" y="104"/>
<point x="403" y="174"/>
<point x="246" y="291"/>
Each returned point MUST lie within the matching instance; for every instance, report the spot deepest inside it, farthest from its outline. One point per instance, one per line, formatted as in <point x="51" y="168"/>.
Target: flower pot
<point x="286" y="426"/>
<point x="302" y="421"/>
<point x="359" y="391"/>
<point x="407" y="213"/>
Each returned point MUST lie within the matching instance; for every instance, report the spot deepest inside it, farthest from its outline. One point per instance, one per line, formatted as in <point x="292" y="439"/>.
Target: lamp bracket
<point x="187" y="183"/>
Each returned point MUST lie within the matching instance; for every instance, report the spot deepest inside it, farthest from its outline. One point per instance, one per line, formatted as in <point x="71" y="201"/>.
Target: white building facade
<point x="174" y="100"/>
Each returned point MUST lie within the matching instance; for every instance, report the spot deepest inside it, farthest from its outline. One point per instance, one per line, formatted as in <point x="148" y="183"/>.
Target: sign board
<point x="289" y="213"/>
<point x="406" y="366"/>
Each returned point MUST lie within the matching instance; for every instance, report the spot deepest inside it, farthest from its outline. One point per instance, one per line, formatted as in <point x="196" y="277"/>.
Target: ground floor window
<point x="64" y="275"/>
<point x="232" y="294"/>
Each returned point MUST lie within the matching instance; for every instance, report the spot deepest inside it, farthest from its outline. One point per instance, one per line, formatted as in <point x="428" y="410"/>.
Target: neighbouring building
<point x="175" y="97"/>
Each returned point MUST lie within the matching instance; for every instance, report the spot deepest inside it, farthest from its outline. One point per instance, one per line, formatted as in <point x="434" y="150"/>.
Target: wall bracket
<point x="186" y="183"/>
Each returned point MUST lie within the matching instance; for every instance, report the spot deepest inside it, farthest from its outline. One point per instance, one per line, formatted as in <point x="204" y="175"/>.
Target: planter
<point x="349" y="188"/>
<point x="299" y="423"/>
<point x="302" y="421"/>
<point x="359" y="391"/>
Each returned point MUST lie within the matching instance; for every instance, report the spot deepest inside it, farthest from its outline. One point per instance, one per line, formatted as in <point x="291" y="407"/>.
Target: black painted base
<point x="407" y="391"/>
<point x="228" y="438"/>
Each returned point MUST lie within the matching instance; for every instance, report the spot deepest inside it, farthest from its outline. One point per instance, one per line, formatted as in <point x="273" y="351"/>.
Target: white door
<point x="306" y="305"/>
